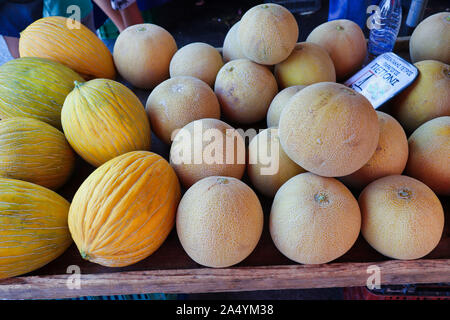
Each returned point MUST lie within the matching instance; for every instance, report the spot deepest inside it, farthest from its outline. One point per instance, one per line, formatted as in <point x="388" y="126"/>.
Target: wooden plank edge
<point x="227" y="279"/>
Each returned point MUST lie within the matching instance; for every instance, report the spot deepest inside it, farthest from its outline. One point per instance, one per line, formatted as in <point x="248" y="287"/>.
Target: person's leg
<point x="5" y="52"/>
<point x="131" y="15"/>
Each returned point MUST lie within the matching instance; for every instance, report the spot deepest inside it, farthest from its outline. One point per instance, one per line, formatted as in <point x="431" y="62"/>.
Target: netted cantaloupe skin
<point x="103" y="119"/>
<point x="70" y="43"/>
<point x="33" y="227"/>
<point x="35" y="88"/>
<point x="34" y="151"/>
<point x="125" y="209"/>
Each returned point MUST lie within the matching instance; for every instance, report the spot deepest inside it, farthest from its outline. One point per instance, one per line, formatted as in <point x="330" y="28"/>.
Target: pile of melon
<point x="333" y="167"/>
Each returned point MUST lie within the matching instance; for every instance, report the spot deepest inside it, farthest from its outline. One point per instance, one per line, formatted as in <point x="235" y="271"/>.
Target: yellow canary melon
<point x="142" y="54"/>
<point x="345" y="42"/>
<point x="178" y="101"/>
<point x="389" y="158"/>
<point x="35" y="88"/>
<point x="430" y="39"/>
<point x="278" y="103"/>
<point x="429" y="155"/>
<point x="426" y="98"/>
<point x="267" y="33"/>
<point x="207" y="147"/>
<point x="231" y="49"/>
<point x="307" y="64"/>
<point x="329" y="129"/>
<point x="103" y="119"/>
<point x="268" y="166"/>
<point x="34" y="151"/>
<point x="245" y="90"/>
<point x="198" y="60"/>
<point x="33" y="227"/>
<point x="401" y="217"/>
<point x="69" y="42"/>
<point x="125" y="209"/>
<point x="314" y="219"/>
<point x="219" y="221"/>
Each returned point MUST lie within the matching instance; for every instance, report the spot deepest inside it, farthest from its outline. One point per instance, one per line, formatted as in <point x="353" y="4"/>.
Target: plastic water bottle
<point x="387" y="21"/>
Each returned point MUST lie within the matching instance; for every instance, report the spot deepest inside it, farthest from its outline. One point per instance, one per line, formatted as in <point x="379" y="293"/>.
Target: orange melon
<point x="389" y="158"/>
<point x="278" y="103"/>
<point x="401" y="217"/>
<point x="219" y="221"/>
<point x="69" y="42"/>
<point x="429" y="155"/>
<point x="345" y="42"/>
<point x="329" y="129"/>
<point x="267" y="33"/>
<point x="314" y="219"/>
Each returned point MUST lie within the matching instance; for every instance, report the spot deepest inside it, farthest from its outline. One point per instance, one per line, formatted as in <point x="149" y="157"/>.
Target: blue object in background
<point x="16" y="16"/>
<point x="354" y="10"/>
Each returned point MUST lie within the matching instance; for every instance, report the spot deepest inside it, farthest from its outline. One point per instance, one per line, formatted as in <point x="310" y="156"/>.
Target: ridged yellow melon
<point x="35" y="88"/>
<point x="33" y="227"/>
<point x="70" y="43"/>
<point x="125" y="209"/>
<point x="34" y="151"/>
<point x="103" y="119"/>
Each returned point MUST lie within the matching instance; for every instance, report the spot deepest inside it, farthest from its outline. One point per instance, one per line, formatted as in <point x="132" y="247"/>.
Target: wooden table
<point x="170" y="270"/>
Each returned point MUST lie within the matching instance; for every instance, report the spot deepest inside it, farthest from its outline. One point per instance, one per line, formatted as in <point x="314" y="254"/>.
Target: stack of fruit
<point x="60" y="100"/>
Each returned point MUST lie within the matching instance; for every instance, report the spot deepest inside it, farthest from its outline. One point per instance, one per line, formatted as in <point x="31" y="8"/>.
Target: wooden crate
<point x="170" y="270"/>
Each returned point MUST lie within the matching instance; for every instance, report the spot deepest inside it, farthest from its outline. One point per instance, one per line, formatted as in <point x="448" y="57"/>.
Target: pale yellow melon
<point x="430" y="39"/>
<point x="401" y="217"/>
<point x="176" y="102"/>
<point x="307" y="64"/>
<point x="389" y="158"/>
<point x="231" y="49"/>
<point x="269" y="167"/>
<point x="345" y="42"/>
<point x="429" y="155"/>
<point x="245" y="90"/>
<point x="314" y="219"/>
<point x="278" y="103"/>
<point x="219" y="221"/>
<point x="329" y="129"/>
<point x="426" y="98"/>
<point x="142" y="54"/>
<point x="199" y="60"/>
<point x="207" y="147"/>
<point x="267" y="33"/>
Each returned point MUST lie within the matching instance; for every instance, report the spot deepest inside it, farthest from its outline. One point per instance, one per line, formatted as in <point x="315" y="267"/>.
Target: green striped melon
<point x="33" y="227"/>
<point x="35" y="88"/>
<point x="34" y="151"/>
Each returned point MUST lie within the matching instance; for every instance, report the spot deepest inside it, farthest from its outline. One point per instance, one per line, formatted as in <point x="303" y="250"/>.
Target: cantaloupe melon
<point x="142" y="54"/>
<point x="199" y="60"/>
<point x="231" y="49"/>
<point x="207" y="147"/>
<point x="426" y="98"/>
<point x="219" y="221"/>
<point x="245" y="90"/>
<point x="314" y="219"/>
<point x="429" y="155"/>
<point x="430" y="39"/>
<point x="389" y="158"/>
<point x="329" y="129"/>
<point x="268" y="166"/>
<point x="267" y="33"/>
<point x="307" y="64"/>
<point x="345" y="42"/>
<point x="176" y="102"/>
<point x="278" y="103"/>
<point x="401" y="217"/>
